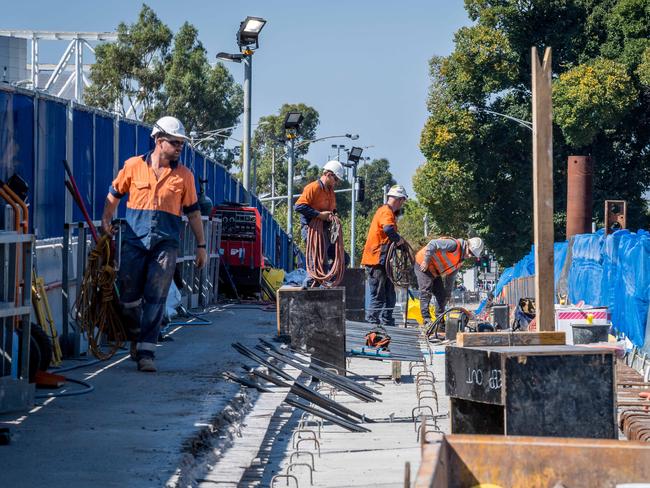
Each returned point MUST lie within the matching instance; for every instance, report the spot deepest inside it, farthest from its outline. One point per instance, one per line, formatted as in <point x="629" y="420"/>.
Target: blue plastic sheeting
<point x="82" y="159"/>
<point x="127" y="149"/>
<point x="611" y="271"/>
<point x="104" y="157"/>
<point x="585" y="274"/>
<point x="49" y="214"/>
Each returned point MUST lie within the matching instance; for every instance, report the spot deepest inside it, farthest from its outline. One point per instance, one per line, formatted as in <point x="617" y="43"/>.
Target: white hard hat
<point x="170" y="126"/>
<point x="476" y="246"/>
<point x="397" y="191"/>
<point x="335" y="167"/>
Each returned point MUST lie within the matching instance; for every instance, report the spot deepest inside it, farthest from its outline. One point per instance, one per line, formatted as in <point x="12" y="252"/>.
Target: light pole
<point x="292" y="123"/>
<point x="353" y="160"/>
<point x="523" y="123"/>
<point x="248" y="42"/>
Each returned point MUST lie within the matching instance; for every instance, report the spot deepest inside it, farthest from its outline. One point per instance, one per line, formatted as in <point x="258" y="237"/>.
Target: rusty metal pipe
<point x="580" y="173"/>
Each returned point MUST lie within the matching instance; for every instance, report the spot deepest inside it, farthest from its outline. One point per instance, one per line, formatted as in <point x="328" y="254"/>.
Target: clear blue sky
<point x="361" y="63"/>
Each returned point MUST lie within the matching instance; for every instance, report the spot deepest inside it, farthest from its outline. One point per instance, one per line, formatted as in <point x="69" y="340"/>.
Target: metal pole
<point x="354" y="218"/>
<point x="78" y="76"/>
<point x="273" y="179"/>
<point x="248" y="61"/>
<point x="426" y="224"/>
<point x="290" y="189"/>
<point x="386" y="188"/>
<point x="34" y="62"/>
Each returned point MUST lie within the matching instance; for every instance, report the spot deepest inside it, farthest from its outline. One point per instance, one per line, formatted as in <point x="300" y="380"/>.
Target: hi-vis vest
<point x="443" y="263"/>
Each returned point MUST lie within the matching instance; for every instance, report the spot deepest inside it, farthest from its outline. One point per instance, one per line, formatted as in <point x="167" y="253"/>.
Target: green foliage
<point x="131" y="71"/>
<point x="477" y="174"/>
<point x="592" y="98"/>
<point x="411" y="224"/>
<point x="143" y="69"/>
<point x="482" y="63"/>
<point x="643" y="71"/>
<point x="376" y="175"/>
<point x="270" y="142"/>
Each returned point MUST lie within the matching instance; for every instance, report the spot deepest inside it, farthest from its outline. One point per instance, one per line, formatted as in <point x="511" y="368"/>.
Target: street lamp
<point x="521" y="122"/>
<point x="353" y="161"/>
<point x="292" y="123"/>
<point x="248" y="42"/>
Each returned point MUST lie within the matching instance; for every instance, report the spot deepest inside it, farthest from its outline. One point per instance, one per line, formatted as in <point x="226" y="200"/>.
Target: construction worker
<point x="318" y="201"/>
<point x="382" y="231"/>
<point x="436" y="267"/>
<point x="159" y="189"/>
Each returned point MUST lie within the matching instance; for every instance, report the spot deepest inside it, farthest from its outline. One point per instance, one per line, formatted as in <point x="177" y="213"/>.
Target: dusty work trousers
<point x="429" y="286"/>
<point x="144" y="280"/>
<point x="382" y="296"/>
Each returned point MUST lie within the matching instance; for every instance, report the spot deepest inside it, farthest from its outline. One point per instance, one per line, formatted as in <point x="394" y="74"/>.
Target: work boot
<point x="146" y="365"/>
<point x="133" y="351"/>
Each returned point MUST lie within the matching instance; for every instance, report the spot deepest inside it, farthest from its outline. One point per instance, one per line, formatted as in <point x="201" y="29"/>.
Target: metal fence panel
<point x="49" y="215"/>
<point x="104" y="155"/>
<point x="82" y="158"/>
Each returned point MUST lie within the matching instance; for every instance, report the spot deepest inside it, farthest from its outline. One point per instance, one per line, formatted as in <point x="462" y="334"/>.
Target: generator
<point x="241" y="249"/>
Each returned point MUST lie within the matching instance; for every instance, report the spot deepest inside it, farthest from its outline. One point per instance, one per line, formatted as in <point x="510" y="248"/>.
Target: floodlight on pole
<point x="292" y="123"/>
<point x="249" y="31"/>
<point x="353" y="160"/>
<point x="248" y="41"/>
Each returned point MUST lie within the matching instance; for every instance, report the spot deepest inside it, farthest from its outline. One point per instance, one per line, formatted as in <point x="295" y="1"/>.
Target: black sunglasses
<point x="175" y="143"/>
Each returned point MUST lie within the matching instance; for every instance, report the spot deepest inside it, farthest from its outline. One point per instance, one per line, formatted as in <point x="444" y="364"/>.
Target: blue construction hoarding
<point x="38" y="131"/>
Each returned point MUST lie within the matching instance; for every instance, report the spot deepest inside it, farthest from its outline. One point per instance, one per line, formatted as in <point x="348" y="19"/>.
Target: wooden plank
<point x="543" y="190"/>
<point x="475" y="339"/>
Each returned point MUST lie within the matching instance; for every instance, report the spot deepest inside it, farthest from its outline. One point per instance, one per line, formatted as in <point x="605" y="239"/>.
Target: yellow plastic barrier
<point x="414" y="311"/>
<point x="274" y="277"/>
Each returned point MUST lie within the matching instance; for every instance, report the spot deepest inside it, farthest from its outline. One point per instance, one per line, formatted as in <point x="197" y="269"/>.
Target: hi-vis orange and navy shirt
<point x="382" y="231"/>
<point x="153" y="211"/>
<point x="314" y="199"/>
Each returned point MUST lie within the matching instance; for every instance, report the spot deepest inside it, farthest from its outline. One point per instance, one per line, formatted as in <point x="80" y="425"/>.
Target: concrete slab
<point x="137" y="429"/>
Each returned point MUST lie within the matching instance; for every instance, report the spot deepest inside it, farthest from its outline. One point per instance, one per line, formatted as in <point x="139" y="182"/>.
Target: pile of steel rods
<point x="301" y="396"/>
<point x="404" y="343"/>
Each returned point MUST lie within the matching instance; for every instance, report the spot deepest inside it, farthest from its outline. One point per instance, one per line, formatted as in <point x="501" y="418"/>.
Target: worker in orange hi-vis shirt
<point x="159" y="190"/>
<point x="382" y="231"/>
<point x="318" y="201"/>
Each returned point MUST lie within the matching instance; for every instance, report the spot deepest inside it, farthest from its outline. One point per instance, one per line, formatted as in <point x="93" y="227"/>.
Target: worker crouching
<point x="318" y="201"/>
<point x="159" y="188"/>
<point x="436" y="267"/>
<point x="382" y="231"/>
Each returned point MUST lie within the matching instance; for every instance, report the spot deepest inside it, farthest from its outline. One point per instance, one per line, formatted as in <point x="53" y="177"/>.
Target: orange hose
<point x="316" y="253"/>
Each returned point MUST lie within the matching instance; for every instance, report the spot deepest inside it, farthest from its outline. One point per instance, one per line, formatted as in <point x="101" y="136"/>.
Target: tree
<point x="145" y="76"/>
<point x="477" y="173"/>
<point x="131" y="71"/>
<point x="376" y="175"/>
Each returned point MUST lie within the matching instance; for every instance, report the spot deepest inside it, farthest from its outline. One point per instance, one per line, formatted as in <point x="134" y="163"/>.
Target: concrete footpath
<point x="137" y="429"/>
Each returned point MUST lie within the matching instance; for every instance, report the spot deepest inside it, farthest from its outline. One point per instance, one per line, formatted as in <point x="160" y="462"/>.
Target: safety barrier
<point x="38" y="131"/>
<point x="611" y="271"/>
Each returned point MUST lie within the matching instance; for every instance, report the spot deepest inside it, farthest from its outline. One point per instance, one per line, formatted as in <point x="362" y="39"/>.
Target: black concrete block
<point x="314" y="319"/>
<point x="354" y="282"/>
<point x="556" y="391"/>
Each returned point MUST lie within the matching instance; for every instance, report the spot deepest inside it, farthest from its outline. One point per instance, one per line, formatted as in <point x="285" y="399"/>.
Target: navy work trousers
<point x="382" y="296"/>
<point x="144" y="279"/>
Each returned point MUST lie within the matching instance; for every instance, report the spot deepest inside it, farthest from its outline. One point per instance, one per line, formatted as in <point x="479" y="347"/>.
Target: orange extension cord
<point x="316" y="253"/>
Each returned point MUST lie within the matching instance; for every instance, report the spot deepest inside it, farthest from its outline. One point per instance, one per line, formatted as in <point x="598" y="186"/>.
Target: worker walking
<point x="436" y="267"/>
<point x="318" y="201"/>
<point x="159" y="189"/>
<point x="382" y="231"/>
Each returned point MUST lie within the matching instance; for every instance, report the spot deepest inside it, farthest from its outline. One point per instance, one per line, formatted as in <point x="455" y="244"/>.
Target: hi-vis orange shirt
<point x="444" y="259"/>
<point x="318" y="197"/>
<point x="153" y="210"/>
<point x="377" y="241"/>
